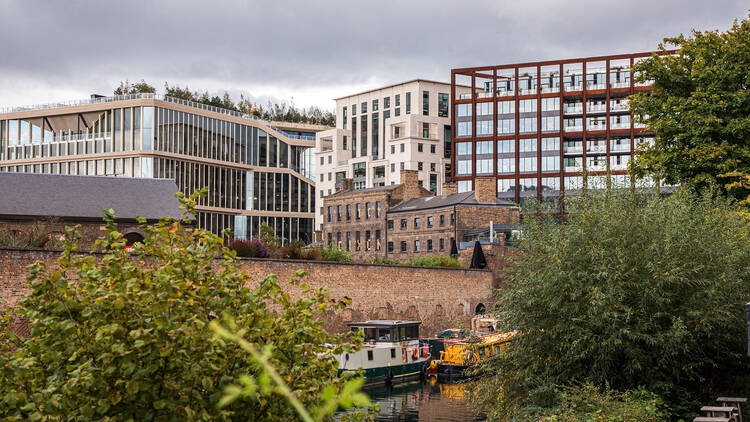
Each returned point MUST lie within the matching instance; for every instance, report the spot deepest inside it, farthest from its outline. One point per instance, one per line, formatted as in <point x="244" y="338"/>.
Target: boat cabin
<point x="389" y="331"/>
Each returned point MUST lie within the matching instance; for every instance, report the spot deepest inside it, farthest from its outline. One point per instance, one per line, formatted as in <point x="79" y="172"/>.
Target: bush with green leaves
<point x="587" y="403"/>
<point x="336" y="254"/>
<point x="434" y="261"/>
<point x="125" y="336"/>
<point x="631" y="290"/>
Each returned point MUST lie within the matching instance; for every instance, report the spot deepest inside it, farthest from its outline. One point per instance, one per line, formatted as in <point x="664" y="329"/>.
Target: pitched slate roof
<point x="432" y="202"/>
<point x="53" y="195"/>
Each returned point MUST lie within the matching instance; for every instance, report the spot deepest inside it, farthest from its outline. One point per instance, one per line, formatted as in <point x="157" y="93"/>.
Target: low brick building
<point x="403" y="221"/>
<point x="36" y="208"/>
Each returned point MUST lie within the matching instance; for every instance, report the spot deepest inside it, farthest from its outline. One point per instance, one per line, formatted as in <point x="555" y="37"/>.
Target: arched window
<point x="480" y="309"/>
<point x="132" y="238"/>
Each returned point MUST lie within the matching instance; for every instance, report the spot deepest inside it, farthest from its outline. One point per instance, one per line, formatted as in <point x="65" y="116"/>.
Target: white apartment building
<point x="380" y="132"/>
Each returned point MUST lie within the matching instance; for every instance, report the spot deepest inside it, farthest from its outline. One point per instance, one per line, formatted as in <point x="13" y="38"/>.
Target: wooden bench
<point x="711" y="419"/>
<point x="735" y="402"/>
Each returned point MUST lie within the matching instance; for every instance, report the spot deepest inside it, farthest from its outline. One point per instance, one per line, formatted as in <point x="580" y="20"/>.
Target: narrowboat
<point x="391" y="352"/>
<point x="458" y="355"/>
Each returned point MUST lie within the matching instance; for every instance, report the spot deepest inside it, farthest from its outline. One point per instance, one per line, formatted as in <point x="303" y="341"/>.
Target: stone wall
<point x="55" y="228"/>
<point x="439" y="297"/>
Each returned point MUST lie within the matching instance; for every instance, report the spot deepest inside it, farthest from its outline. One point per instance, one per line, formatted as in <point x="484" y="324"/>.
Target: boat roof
<point x="383" y="323"/>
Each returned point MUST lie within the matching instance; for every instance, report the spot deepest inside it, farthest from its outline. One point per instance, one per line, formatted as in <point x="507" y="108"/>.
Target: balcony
<point x="615" y="167"/>
<point x="464" y="97"/>
<point x="620" y="125"/>
<point x="613" y="147"/>
<point x="573" y="88"/>
<point x="597" y="149"/>
<point x="531" y="91"/>
<point x="595" y="86"/>
<point x="484" y="95"/>
<point x="619" y="84"/>
<point x="578" y="128"/>
<point x="598" y="125"/>
<point x="596" y="108"/>
<point x="573" y="108"/>
<point x="505" y="93"/>
<point x="597" y="167"/>
<point x="576" y="168"/>
<point x="573" y="150"/>
<point x="619" y="107"/>
<point x="550" y="90"/>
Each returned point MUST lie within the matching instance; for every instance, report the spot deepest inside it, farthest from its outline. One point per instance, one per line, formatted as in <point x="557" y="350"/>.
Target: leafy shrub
<point x="127" y="336"/>
<point x="336" y="254"/>
<point x="267" y="235"/>
<point x="37" y="235"/>
<point x="587" y="404"/>
<point x="385" y="261"/>
<point x="252" y="248"/>
<point x="626" y="293"/>
<point x="434" y="261"/>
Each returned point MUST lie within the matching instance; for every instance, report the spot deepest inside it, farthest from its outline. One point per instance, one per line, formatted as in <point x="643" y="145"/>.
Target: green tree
<point x="631" y="290"/>
<point x="126" y="88"/>
<point x="700" y="111"/>
<point x="126" y="337"/>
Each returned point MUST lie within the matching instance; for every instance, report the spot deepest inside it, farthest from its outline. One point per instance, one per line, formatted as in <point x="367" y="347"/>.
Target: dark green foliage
<point x="336" y="254"/>
<point x="127" y="88"/>
<point x="126" y="336"/>
<point x="632" y="290"/>
<point x="249" y="248"/>
<point x="434" y="261"/>
<point x="700" y="111"/>
<point x="587" y="404"/>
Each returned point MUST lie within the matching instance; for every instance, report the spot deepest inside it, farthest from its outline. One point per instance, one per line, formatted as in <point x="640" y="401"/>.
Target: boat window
<point x="393" y="353"/>
<point x="414" y="331"/>
<point x="384" y="334"/>
<point x="369" y="355"/>
<point x="402" y="333"/>
<point x="370" y="334"/>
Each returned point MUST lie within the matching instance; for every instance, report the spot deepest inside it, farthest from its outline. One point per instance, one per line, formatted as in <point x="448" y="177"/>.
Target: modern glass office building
<point x="255" y="171"/>
<point x="547" y="128"/>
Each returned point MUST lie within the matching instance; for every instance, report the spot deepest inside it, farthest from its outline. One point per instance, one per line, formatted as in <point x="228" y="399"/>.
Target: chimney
<point x="485" y="189"/>
<point x="346" y="184"/>
<point x="450" y="188"/>
<point x="410" y="182"/>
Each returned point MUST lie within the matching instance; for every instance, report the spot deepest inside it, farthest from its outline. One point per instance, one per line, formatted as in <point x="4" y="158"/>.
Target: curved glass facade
<point x="253" y="173"/>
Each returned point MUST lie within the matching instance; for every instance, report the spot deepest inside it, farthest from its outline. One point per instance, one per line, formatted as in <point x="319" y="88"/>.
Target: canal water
<point x="423" y="401"/>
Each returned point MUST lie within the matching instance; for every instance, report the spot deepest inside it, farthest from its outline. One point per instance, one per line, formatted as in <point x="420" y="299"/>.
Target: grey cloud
<point x="323" y="43"/>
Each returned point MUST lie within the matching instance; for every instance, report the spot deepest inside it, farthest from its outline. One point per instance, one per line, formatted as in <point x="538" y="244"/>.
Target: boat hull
<point x="393" y="374"/>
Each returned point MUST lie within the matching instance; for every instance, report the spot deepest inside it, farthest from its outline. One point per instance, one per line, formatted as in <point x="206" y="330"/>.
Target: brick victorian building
<point x="406" y="220"/>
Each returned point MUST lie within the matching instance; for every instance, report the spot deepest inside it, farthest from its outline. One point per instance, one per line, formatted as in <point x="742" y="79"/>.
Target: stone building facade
<point x="404" y="221"/>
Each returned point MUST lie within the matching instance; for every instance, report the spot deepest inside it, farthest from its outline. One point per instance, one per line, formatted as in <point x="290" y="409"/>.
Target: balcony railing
<point x="596" y="126"/>
<point x="644" y="83"/>
<point x="618" y="167"/>
<point x="620" y="125"/>
<point x="596" y="167"/>
<point x="116" y="98"/>
<point x="572" y="109"/>
<point x="82" y="137"/>
<point x="464" y="97"/>
<point x="573" y="150"/>
<point x="619" y="147"/>
<point x="619" y="84"/>
<point x="599" y="108"/>
<point x="573" y="168"/>
<point x="527" y="91"/>
<point x="549" y="90"/>
<point x="505" y="93"/>
<point x="484" y="95"/>
<point x="573" y="128"/>
<point x="596" y="148"/>
<point x="573" y="88"/>
<point x="639" y="125"/>
<point x="593" y="86"/>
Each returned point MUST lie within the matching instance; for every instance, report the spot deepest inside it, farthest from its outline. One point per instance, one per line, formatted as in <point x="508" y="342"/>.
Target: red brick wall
<point x="438" y="297"/>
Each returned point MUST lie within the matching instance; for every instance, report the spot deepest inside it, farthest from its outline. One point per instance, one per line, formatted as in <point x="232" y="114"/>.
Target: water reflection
<point x="422" y="401"/>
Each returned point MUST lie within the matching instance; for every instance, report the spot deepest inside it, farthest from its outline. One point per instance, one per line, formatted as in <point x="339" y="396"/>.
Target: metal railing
<point x="116" y="98"/>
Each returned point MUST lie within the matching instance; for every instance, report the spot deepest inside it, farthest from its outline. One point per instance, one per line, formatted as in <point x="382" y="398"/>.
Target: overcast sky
<point x="313" y="50"/>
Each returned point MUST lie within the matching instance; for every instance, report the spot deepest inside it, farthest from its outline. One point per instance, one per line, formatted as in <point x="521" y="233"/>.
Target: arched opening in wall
<point x="460" y="309"/>
<point x="480" y="309"/>
<point x="132" y="237"/>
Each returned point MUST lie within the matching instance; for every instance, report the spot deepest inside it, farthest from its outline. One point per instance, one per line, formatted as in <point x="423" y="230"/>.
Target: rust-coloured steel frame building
<point x="591" y="91"/>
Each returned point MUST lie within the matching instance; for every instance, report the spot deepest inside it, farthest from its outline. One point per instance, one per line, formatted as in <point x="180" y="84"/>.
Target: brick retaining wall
<point x="439" y="297"/>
